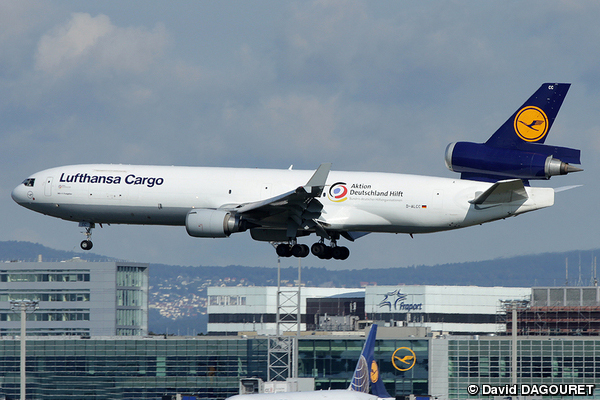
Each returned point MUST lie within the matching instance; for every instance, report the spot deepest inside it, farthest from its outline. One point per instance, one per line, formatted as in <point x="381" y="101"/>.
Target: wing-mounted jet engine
<point x="516" y="149"/>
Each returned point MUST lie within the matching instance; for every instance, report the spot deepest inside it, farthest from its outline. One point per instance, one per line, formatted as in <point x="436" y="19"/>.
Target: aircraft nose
<point x="20" y="194"/>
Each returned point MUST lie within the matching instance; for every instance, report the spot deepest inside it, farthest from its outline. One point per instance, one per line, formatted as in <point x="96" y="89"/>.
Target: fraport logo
<point x="338" y="192"/>
<point x="396" y="300"/>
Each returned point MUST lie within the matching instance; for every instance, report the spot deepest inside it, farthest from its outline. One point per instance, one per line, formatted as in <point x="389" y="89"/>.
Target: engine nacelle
<point x="482" y="160"/>
<point x="212" y="223"/>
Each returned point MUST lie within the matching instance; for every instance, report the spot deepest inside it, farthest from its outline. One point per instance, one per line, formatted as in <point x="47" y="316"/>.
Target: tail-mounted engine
<point x="480" y="161"/>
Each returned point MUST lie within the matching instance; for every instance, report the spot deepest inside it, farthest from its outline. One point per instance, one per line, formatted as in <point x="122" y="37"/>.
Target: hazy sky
<point x="366" y="85"/>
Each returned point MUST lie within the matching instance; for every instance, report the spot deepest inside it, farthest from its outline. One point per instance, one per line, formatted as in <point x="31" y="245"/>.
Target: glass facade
<point x="547" y="361"/>
<point x="332" y="361"/>
<point x="37" y="276"/>
<point x="131" y="368"/>
<point x="132" y="300"/>
<point x="209" y="368"/>
<point x="130" y="276"/>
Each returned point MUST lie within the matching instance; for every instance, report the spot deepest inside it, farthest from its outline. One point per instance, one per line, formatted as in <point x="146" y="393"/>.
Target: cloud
<point x="18" y="18"/>
<point x="303" y="120"/>
<point x="95" y="43"/>
<point x="373" y="86"/>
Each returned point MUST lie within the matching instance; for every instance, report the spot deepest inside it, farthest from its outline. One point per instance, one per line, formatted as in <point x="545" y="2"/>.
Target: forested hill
<point x="546" y="269"/>
<point x="27" y="251"/>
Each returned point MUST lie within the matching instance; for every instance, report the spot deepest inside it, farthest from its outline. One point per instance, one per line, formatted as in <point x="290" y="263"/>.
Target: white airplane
<point x="280" y="206"/>
<point x="365" y="374"/>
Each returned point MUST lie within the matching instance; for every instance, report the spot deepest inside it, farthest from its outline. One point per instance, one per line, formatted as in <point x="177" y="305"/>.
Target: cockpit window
<point x="29" y="182"/>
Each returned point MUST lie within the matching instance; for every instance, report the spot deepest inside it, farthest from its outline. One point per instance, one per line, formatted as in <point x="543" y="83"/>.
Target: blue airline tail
<point x="517" y="149"/>
<point x="367" y="369"/>
<point x="533" y="120"/>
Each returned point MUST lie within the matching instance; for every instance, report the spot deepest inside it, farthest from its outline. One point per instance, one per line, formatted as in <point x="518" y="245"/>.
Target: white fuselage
<point x="353" y="201"/>
<point x="314" y="395"/>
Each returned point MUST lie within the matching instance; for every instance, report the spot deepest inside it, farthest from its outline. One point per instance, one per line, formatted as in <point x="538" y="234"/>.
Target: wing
<point x="299" y="208"/>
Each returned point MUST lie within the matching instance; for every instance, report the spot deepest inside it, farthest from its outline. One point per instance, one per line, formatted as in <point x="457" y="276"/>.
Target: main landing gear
<point x="87" y="243"/>
<point x="328" y="252"/>
<point x="319" y="249"/>
<point x="296" y="250"/>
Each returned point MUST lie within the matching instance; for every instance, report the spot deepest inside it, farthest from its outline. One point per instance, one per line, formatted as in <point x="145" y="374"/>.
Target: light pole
<point x="23" y="306"/>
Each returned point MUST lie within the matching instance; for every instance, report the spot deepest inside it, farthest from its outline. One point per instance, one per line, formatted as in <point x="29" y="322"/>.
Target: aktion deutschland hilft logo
<point x="338" y="192"/>
<point x="531" y="124"/>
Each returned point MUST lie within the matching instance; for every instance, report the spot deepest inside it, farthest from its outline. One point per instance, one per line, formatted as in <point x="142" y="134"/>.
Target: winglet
<point x="316" y="183"/>
<point x="367" y="369"/>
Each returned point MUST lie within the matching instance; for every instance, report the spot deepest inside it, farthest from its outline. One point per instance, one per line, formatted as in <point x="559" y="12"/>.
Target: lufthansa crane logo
<point x="531" y="124"/>
<point x="374" y="372"/>
<point x="403" y="359"/>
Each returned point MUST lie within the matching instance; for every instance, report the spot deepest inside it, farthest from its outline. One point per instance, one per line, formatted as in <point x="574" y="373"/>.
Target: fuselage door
<point x="48" y="186"/>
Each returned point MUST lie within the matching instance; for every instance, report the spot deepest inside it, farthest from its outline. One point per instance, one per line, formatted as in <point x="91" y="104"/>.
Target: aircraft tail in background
<point x="366" y="375"/>
<point x="367" y="370"/>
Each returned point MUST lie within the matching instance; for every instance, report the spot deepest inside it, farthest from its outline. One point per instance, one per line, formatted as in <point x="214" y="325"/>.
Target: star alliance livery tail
<point x="367" y="370"/>
<point x="516" y="149"/>
<point x="366" y="374"/>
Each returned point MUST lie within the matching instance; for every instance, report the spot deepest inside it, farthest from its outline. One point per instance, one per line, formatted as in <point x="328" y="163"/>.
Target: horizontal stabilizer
<point x="565" y="188"/>
<point x="502" y="192"/>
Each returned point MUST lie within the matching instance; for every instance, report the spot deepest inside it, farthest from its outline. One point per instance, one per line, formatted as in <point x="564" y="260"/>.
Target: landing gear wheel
<point x="86" y="245"/>
<point x="345" y="253"/>
<point x="340" y="253"/>
<point x="300" y="250"/>
<point x="284" y="250"/>
<point x="318" y="249"/>
<point x="305" y="251"/>
<point x="328" y="255"/>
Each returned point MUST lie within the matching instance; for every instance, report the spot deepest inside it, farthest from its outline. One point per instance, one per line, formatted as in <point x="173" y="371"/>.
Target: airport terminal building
<point x="458" y="336"/>
<point x="457" y="310"/>
<point x="211" y="367"/>
<point x="76" y="298"/>
<point x="254" y="309"/>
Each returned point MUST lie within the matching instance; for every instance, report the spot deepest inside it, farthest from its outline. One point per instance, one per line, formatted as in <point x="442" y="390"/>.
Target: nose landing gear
<point x="87" y="243"/>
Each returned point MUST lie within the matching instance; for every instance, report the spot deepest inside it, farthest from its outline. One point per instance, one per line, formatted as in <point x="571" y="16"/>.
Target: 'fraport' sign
<point x="396" y="301"/>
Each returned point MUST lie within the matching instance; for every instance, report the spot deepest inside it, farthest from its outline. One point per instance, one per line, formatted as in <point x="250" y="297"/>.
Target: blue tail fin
<point x="367" y="369"/>
<point x="533" y="120"/>
<point x="517" y="150"/>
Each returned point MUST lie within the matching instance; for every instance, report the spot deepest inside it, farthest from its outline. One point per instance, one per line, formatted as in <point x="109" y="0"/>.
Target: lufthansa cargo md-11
<point x="283" y="206"/>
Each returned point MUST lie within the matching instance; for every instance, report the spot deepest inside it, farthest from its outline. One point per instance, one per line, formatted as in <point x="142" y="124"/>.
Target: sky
<point x="366" y="85"/>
